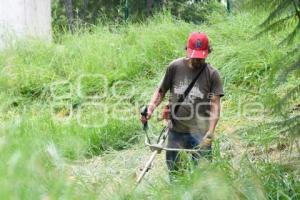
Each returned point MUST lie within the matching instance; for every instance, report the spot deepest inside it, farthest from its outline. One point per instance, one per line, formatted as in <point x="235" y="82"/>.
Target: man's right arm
<point x="156" y="99"/>
<point x="159" y="93"/>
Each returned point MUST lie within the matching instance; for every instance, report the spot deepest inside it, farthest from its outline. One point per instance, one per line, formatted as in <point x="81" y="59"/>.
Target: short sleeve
<point x="166" y="82"/>
<point x="216" y="84"/>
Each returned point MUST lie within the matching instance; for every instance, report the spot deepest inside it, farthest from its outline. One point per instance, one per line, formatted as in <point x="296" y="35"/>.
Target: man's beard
<point x="199" y="65"/>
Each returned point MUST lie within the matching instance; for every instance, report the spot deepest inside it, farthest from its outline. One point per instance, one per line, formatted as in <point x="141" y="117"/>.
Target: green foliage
<point x="89" y="12"/>
<point x="284" y="15"/>
<point x="66" y="80"/>
<point x="221" y="179"/>
<point x="40" y="103"/>
<point x="197" y="12"/>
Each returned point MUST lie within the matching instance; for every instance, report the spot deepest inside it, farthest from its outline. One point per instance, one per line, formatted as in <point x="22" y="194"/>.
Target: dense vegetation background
<point x="76" y="101"/>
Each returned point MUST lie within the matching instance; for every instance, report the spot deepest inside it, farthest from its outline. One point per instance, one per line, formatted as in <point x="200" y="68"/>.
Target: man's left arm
<point x="215" y="110"/>
<point x="215" y="107"/>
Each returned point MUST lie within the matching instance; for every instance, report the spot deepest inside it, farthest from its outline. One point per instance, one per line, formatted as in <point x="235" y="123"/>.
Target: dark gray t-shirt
<point x="193" y="114"/>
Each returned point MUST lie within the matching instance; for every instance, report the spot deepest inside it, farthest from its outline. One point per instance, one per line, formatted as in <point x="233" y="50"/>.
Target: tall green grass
<point x="49" y="110"/>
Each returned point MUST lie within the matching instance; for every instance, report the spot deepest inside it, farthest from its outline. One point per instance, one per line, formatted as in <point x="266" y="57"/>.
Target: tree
<point x="69" y="13"/>
<point x="284" y="15"/>
<point x="84" y="10"/>
<point x="161" y="4"/>
<point x="149" y="7"/>
<point x="66" y="12"/>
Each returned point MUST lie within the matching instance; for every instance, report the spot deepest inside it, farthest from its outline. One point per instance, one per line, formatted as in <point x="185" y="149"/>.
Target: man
<point x="198" y="114"/>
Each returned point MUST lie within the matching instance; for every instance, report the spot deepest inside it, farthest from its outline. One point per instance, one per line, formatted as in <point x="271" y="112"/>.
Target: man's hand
<point x="145" y="118"/>
<point x="208" y="138"/>
<point x="214" y="117"/>
<point x="156" y="99"/>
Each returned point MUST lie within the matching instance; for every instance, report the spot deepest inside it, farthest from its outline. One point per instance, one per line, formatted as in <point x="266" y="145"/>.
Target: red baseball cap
<point x="197" y="46"/>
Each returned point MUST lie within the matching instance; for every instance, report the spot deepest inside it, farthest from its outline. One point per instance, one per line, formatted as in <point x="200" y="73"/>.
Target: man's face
<point x="197" y="62"/>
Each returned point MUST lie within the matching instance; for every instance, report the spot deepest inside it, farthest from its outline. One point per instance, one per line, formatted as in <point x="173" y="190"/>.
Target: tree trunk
<point x="84" y="10"/>
<point x="95" y="11"/>
<point x="161" y="5"/>
<point x="149" y="7"/>
<point x="69" y="13"/>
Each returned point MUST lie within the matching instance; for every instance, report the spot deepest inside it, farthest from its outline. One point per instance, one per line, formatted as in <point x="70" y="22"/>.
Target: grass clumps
<point x="80" y="97"/>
